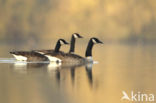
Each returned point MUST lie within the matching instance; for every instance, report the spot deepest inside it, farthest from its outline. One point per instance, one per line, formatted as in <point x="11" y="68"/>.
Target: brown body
<point x="31" y="56"/>
<point x="68" y="58"/>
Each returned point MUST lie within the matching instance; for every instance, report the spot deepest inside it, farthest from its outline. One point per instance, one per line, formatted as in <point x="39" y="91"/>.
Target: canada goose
<point x="72" y="42"/>
<point x="37" y="56"/>
<point x="75" y="59"/>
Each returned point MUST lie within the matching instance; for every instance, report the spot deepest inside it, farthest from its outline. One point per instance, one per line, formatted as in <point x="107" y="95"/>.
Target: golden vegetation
<point x="22" y="20"/>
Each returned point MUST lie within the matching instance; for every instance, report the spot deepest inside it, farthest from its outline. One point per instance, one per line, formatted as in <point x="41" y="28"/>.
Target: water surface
<point x="119" y="68"/>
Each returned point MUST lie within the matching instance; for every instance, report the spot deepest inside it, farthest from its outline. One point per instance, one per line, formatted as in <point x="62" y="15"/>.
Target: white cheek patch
<point x="94" y="41"/>
<point x="75" y="36"/>
<point x="20" y="57"/>
<point x="61" y="42"/>
<point x="53" y="59"/>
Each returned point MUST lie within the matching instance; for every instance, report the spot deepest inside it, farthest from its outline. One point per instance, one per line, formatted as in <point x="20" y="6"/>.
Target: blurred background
<point x="30" y="22"/>
<point x="126" y="61"/>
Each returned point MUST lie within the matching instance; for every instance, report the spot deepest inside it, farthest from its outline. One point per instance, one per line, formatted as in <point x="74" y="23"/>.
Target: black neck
<point x="72" y="44"/>
<point x="89" y="49"/>
<point x="57" y="47"/>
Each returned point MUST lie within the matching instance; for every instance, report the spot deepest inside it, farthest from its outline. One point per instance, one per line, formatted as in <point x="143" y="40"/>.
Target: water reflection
<point x="72" y="71"/>
<point x="120" y="68"/>
<point x="89" y="73"/>
<point x="88" y="68"/>
<point x="58" y="76"/>
<point x="54" y="70"/>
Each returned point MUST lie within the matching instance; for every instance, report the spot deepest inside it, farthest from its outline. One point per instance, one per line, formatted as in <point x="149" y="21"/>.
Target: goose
<point x="37" y="56"/>
<point x="74" y="59"/>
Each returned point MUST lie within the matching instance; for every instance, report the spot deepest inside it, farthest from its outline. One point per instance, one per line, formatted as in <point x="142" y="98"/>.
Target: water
<point x="119" y="68"/>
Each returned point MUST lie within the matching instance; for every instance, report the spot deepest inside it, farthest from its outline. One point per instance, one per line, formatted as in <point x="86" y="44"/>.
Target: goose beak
<point x="100" y="42"/>
<point x="66" y="43"/>
<point x="80" y="36"/>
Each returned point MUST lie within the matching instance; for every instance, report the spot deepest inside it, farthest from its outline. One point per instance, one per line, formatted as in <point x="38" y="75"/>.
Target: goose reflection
<point x="58" y="77"/>
<point x="72" y="71"/>
<point x="89" y="73"/>
<point x="20" y="67"/>
<point x="57" y="69"/>
<point x="24" y="67"/>
<point x="54" y="66"/>
<point x="88" y="68"/>
<point x="54" y="69"/>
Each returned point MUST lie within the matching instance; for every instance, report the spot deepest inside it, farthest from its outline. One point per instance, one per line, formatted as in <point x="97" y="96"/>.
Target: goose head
<point x="63" y="42"/>
<point x="96" y="41"/>
<point x="91" y="43"/>
<point x="76" y="35"/>
<point x="59" y="43"/>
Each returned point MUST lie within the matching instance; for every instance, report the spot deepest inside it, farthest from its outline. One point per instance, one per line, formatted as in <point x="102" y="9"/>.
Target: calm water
<point x="119" y="68"/>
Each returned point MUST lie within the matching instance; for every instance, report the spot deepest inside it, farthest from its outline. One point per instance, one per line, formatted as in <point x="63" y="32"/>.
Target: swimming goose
<point x="74" y="59"/>
<point x="37" y="56"/>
